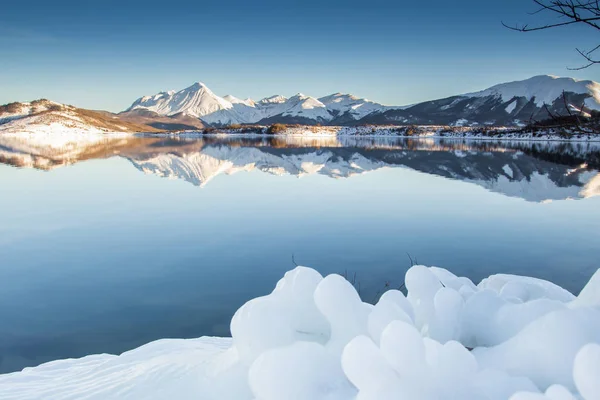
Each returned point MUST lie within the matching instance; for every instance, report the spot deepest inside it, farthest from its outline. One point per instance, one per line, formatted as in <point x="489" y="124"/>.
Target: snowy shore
<point x="61" y="132"/>
<point x="312" y="338"/>
<point x="390" y="131"/>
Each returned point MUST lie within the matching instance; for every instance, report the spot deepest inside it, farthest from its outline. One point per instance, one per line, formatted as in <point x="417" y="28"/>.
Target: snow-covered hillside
<point x="544" y="89"/>
<point x="312" y="338"/>
<point x="48" y="117"/>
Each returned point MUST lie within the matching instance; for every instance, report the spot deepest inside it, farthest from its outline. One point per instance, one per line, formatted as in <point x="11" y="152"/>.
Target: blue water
<point x="99" y="256"/>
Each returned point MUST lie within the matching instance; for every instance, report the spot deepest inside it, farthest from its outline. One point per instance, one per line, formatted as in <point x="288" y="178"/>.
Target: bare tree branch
<point x="570" y="12"/>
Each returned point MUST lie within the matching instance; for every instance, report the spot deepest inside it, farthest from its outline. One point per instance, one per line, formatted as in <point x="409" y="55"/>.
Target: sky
<point x="105" y="54"/>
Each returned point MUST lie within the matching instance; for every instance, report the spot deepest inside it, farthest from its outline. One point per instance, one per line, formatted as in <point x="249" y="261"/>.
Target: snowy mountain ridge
<point x="544" y="89"/>
<point x="509" y="104"/>
<point x="199" y="101"/>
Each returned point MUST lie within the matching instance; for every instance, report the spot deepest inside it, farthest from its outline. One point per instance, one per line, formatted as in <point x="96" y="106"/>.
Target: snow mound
<point x="313" y="338"/>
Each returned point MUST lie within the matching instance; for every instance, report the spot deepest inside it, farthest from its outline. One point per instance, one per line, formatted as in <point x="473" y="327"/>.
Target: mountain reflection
<point x="534" y="171"/>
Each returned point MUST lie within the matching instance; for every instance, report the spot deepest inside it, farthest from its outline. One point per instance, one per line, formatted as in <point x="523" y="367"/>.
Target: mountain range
<point x="507" y="104"/>
<point x="197" y="107"/>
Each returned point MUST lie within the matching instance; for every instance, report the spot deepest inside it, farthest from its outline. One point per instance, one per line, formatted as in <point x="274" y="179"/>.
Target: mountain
<point x="176" y="122"/>
<point x="45" y="116"/>
<point x="507" y="104"/>
<point x="200" y="102"/>
<point x="349" y="107"/>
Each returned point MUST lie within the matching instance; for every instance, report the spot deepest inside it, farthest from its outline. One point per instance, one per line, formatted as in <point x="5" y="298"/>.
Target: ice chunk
<point x="446" y="323"/>
<point x="422" y="285"/>
<point x="348" y="316"/>
<point x="288" y="314"/>
<point x="586" y="371"/>
<point x="526" y="288"/>
<point x="397" y="297"/>
<point x="365" y="366"/>
<point x="384" y="312"/>
<point x="402" y="346"/>
<point x="545" y="349"/>
<point x="302" y="371"/>
<point x="590" y="295"/>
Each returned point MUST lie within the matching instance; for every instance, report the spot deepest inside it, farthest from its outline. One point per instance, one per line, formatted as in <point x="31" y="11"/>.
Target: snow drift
<point x="313" y="338"/>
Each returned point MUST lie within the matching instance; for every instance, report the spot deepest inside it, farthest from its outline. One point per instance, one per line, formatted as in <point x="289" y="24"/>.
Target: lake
<point x="107" y="244"/>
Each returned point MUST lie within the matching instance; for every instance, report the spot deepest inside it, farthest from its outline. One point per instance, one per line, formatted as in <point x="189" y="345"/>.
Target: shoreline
<point x="436" y="132"/>
<point x="192" y="135"/>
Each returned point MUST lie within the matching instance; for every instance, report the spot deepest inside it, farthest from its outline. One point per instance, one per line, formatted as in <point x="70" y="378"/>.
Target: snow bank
<point x="313" y="338"/>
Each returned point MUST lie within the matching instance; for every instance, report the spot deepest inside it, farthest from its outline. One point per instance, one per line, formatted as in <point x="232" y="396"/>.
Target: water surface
<point x="107" y="245"/>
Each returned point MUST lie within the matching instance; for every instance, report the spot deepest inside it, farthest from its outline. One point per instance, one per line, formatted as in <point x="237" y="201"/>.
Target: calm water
<point x="100" y="252"/>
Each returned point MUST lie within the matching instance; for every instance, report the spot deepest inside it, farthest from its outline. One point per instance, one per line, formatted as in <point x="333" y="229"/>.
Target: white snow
<point x="511" y="107"/>
<point x="306" y="106"/>
<point x="56" y="123"/>
<point x="545" y="89"/>
<point x="45" y="117"/>
<point x="313" y="338"/>
<point x="460" y="122"/>
<point x="355" y="106"/>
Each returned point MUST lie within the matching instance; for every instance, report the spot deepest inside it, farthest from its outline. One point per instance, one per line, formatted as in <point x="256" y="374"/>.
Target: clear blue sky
<point x="105" y="54"/>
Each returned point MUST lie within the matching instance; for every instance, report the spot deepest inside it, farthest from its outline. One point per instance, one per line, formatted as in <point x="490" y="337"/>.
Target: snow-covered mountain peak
<point x="306" y="106"/>
<point x="196" y="100"/>
<point x="198" y="85"/>
<point x="339" y="97"/>
<point x="340" y="103"/>
<point x="299" y="96"/>
<point x="232" y="99"/>
<point x="278" y="99"/>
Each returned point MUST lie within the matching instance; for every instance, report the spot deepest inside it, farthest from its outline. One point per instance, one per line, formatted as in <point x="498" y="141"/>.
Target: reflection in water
<point x="100" y="258"/>
<point x="534" y="171"/>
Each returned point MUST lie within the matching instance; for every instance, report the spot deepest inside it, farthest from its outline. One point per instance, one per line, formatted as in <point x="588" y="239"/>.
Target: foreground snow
<point x="313" y="338"/>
